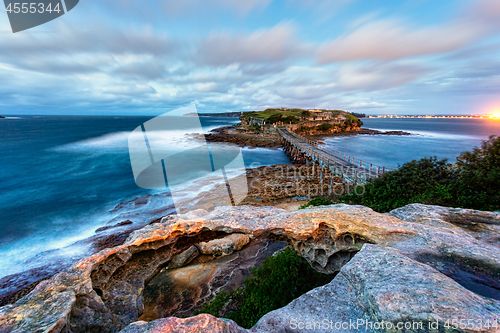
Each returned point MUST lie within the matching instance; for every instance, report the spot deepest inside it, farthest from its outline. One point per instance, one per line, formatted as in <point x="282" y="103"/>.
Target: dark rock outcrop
<point x="120" y="224"/>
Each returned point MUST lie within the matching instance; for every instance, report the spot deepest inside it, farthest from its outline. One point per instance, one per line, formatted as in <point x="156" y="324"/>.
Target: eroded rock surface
<point x="406" y="265"/>
<point x="225" y="245"/>
<point x="178" y="292"/>
<point x="200" y="324"/>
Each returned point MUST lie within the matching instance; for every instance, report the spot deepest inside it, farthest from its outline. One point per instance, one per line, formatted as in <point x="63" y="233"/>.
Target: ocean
<point x="62" y="176"/>
<point x="443" y="138"/>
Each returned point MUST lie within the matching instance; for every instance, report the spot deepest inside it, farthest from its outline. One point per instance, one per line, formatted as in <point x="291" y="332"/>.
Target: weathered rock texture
<point x="200" y="324"/>
<point x="418" y="263"/>
<point x="178" y="292"/>
<point x="225" y="245"/>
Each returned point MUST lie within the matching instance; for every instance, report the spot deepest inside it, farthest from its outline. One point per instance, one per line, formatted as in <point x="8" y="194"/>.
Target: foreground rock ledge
<point x="416" y="264"/>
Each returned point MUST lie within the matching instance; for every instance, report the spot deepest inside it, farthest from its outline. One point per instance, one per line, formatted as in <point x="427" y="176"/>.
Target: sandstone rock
<point x="184" y="258"/>
<point x="200" y="324"/>
<point x="381" y="285"/>
<point x="178" y="292"/>
<point x="224" y="246"/>
<point x="431" y="263"/>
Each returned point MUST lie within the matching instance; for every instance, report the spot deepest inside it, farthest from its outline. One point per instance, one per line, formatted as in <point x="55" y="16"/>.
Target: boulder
<point x="202" y="323"/>
<point x="224" y="246"/>
<point x="184" y="258"/>
<point x="380" y="287"/>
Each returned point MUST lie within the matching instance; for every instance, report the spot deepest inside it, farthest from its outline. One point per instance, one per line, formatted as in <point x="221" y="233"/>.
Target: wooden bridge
<point x="351" y="169"/>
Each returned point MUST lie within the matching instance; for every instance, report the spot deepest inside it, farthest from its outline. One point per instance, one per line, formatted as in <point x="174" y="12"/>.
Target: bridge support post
<point x="331" y="182"/>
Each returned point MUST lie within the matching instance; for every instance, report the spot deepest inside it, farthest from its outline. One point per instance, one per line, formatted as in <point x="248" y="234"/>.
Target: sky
<point x="132" y="57"/>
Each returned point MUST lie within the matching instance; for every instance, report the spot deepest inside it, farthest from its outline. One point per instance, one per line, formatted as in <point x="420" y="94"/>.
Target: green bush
<point x="473" y="182"/>
<point x="279" y="280"/>
<point x="325" y="127"/>
<point x="478" y="177"/>
<point x="306" y="114"/>
<point x="275" y="118"/>
<point x="316" y="202"/>
<point x="290" y="119"/>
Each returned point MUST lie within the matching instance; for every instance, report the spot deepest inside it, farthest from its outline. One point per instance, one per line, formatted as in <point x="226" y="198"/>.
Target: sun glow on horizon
<point x="495" y="115"/>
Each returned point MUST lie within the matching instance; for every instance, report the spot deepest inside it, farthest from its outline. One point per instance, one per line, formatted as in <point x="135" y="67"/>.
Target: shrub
<point x="279" y="280"/>
<point x="478" y="177"/>
<point x="275" y="118"/>
<point x="316" y="202"/>
<point x="325" y="127"/>
<point x="290" y="119"/>
<point x="473" y="182"/>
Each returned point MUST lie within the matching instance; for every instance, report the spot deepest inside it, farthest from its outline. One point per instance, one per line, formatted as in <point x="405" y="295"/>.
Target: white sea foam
<point x="118" y="141"/>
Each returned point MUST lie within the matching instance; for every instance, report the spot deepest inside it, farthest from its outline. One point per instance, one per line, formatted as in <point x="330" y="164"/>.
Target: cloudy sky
<point x="147" y="57"/>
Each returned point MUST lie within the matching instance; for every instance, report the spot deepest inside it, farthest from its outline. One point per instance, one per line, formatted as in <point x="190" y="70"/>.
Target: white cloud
<point x="392" y="39"/>
<point x="272" y="45"/>
<point x="378" y="76"/>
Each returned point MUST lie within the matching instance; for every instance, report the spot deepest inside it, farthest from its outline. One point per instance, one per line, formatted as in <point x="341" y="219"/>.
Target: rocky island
<point x="258" y="128"/>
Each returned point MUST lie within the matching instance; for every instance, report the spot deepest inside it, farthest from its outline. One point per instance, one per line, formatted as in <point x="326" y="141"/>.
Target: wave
<point x="117" y="142"/>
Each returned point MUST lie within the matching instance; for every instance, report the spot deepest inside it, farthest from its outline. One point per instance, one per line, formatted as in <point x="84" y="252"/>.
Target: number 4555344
<point x="31" y="8"/>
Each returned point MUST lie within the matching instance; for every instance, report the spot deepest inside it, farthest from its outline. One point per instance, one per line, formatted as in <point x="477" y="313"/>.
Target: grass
<point x="270" y="112"/>
<point x="287" y="113"/>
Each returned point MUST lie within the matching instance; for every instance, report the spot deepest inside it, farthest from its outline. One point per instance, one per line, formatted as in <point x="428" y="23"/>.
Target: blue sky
<point x="147" y="57"/>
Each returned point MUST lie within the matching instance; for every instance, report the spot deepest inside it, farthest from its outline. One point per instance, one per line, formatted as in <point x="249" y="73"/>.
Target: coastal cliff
<point x="425" y="264"/>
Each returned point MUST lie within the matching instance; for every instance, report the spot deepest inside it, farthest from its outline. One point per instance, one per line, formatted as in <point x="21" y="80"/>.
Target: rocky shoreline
<point x="242" y="138"/>
<point x="423" y="264"/>
<point x="253" y="139"/>
<point x="364" y="131"/>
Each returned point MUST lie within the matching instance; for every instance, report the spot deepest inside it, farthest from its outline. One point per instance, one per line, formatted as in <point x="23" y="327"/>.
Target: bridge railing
<point x="371" y="167"/>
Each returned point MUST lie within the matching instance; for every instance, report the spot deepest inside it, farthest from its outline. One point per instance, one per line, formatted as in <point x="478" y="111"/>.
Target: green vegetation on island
<point x="278" y="281"/>
<point x="472" y="182"/>
<point x="297" y="113"/>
